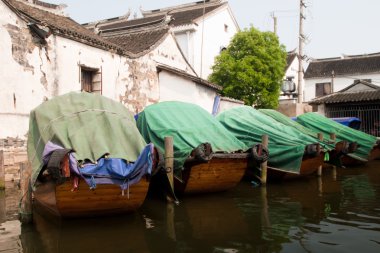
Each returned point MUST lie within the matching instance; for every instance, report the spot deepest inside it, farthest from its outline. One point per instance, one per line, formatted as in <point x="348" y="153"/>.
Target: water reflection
<point x="337" y="213"/>
<point x="116" y="234"/>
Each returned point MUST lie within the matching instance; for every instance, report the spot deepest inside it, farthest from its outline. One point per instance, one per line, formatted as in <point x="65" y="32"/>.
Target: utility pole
<point x="301" y="39"/>
<point x="274" y="23"/>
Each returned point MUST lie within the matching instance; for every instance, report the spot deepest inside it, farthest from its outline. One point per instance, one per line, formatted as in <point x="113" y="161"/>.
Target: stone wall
<point x="13" y="153"/>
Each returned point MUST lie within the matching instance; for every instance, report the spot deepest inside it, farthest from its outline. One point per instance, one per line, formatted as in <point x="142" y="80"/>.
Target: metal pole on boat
<point x="169" y="160"/>
<point x="264" y="142"/>
<point x="25" y="212"/>
<point x="320" y="137"/>
<point x="2" y="172"/>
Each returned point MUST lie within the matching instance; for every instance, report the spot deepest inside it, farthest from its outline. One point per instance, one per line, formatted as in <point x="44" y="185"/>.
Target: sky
<point x="333" y="27"/>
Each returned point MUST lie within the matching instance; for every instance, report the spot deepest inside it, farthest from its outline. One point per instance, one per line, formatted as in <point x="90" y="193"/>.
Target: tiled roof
<point x="367" y="92"/>
<point x="190" y="77"/>
<point x="141" y="41"/>
<point x="361" y="64"/>
<point x="348" y="97"/>
<point x="187" y="17"/>
<point x="60" y="25"/>
<point x="362" y="82"/>
<point x="179" y="16"/>
<point x="133" y="23"/>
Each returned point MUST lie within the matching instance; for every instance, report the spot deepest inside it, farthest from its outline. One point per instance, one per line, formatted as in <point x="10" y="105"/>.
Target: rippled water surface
<point x="339" y="212"/>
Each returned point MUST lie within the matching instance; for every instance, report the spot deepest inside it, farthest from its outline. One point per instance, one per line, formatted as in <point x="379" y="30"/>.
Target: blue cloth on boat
<point x="119" y="171"/>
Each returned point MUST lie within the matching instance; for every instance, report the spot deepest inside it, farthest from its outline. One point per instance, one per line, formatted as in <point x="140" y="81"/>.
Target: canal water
<point x="339" y="212"/>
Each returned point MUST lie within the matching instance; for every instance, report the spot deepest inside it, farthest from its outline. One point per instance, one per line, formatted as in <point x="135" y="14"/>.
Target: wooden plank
<point x="25" y="212"/>
<point x="264" y="165"/>
<point x="105" y="199"/>
<point x="2" y="171"/>
<point x="217" y="175"/>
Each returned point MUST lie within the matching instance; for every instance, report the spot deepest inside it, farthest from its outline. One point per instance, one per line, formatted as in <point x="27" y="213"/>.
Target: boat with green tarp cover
<point x="87" y="156"/>
<point x="368" y="145"/>
<point x="207" y="158"/>
<point x="291" y="153"/>
<point x="336" y="150"/>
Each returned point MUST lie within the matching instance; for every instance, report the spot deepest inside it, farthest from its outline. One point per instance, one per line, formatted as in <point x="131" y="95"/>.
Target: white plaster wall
<point x="177" y="88"/>
<point x="20" y="85"/>
<point x="71" y="54"/>
<point x="35" y="74"/>
<point x="168" y="53"/>
<point x="339" y="83"/>
<point x="226" y="105"/>
<point x="214" y="38"/>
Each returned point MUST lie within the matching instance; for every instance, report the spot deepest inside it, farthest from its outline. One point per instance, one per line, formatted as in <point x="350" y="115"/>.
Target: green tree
<point x="251" y="68"/>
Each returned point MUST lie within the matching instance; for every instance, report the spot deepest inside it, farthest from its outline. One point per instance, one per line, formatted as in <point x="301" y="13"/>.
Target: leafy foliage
<point x="251" y="68"/>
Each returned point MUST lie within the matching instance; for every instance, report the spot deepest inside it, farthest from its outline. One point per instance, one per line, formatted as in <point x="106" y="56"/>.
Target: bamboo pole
<point x="320" y="137"/>
<point x="2" y="171"/>
<point x="264" y="165"/>
<point x="333" y="137"/>
<point x="25" y="212"/>
<point x="169" y="167"/>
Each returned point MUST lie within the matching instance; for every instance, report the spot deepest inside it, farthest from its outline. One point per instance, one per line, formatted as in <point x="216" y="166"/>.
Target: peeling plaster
<point x="22" y="44"/>
<point x="142" y="88"/>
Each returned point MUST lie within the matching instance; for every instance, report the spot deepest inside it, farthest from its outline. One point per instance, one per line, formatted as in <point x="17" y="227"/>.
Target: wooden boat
<point x="207" y="158"/>
<point x="62" y="200"/>
<point x="292" y="154"/>
<point x="366" y="144"/>
<point x="222" y="172"/>
<point x="336" y="150"/>
<point x="309" y="166"/>
<point x="83" y="169"/>
<point x="375" y="152"/>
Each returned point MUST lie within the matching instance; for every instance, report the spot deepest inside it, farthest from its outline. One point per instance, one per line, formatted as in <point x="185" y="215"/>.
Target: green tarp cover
<point x="286" y="145"/>
<point x="302" y="129"/>
<point x="90" y="124"/>
<point x="320" y="123"/>
<point x="189" y="125"/>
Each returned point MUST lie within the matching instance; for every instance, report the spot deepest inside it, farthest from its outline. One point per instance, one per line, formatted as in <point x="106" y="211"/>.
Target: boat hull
<point x="375" y="153"/>
<point x="106" y="199"/>
<point x="309" y="166"/>
<point x="221" y="173"/>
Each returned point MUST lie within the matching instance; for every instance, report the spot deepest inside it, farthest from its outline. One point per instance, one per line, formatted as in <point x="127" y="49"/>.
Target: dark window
<point x="322" y="89"/>
<point x="91" y="80"/>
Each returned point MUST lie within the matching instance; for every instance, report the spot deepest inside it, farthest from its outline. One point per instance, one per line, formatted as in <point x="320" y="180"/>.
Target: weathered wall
<point x="34" y="73"/>
<point x="24" y="80"/>
<point x="294" y="109"/>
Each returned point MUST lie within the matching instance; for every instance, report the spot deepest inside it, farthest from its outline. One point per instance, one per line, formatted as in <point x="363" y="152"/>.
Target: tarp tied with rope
<point x="189" y="125"/>
<point x="286" y="145"/>
<point x="320" y="123"/>
<point x="326" y="142"/>
<point x="91" y="125"/>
